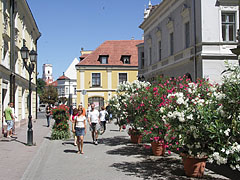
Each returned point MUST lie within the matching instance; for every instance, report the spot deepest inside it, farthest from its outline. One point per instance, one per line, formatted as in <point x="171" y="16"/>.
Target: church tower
<point x="47" y="73"/>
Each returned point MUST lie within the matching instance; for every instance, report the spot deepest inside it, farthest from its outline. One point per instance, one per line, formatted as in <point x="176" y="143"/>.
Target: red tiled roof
<point x="48" y="81"/>
<point x="114" y="50"/>
<point x="63" y="77"/>
<point x="55" y="83"/>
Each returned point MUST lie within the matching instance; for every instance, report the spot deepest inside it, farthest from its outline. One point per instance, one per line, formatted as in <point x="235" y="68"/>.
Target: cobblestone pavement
<point x="114" y="158"/>
<point x="15" y="155"/>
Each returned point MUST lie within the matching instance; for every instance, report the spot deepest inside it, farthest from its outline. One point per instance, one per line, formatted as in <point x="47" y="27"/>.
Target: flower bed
<point x="60" y="128"/>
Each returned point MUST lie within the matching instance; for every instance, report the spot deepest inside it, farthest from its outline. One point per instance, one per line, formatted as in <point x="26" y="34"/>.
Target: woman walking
<point x="72" y="118"/>
<point x="80" y="129"/>
<point x="102" y="116"/>
<point x="48" y="114"/>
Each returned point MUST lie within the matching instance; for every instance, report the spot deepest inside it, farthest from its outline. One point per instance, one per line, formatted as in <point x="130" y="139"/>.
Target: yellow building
<point x="100" y="72"/>
<point x="18" y="25"/>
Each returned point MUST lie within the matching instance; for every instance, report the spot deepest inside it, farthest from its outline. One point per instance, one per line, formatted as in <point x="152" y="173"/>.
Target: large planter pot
<point x="193" y="167"/>
<point x="158" y="149"/>
<point x="136" y="139"/>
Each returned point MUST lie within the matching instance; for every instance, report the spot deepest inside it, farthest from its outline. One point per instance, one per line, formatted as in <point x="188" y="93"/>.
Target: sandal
<point x="78" y="152"/>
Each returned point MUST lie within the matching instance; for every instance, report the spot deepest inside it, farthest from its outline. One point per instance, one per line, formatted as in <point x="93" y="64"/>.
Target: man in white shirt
<point x="93" y="120"/>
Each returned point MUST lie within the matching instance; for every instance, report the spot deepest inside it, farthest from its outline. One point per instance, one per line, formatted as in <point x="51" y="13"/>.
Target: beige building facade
<point x="18" y="24"/>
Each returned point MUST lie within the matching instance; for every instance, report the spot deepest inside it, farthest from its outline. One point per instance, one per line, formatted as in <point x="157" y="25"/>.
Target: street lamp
<point x="30" y="68"/>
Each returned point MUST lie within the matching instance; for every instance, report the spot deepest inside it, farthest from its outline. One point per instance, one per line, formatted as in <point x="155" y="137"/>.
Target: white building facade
<point x="188" y="36"/>
<point x="18" y="24"/>
<point x="67" y="84"/>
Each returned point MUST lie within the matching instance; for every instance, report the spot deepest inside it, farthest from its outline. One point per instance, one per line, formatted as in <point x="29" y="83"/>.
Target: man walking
<point x="93" y="120"/>
<point x="9" y="120"/>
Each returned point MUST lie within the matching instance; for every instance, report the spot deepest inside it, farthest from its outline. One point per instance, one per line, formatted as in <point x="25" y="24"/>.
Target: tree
<point x="49" y="95"/>
<point x="40" y="86"/>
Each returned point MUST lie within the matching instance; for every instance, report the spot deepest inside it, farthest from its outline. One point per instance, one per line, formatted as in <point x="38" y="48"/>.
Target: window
<point x="159" y="50"/>
<point x="5" y="49"/>
<point x="63" y="91"/>
<point x="125" y="59"/>
<point x="150" y="56"/>
<point x="98" y="101"/>
<point x="171" y="44"/>
<point x="187" y="35"/>
<point x="228" y="27"/>
<point x="103" y="59"/>
<point x="122" y="77"/>
<point x="142" y="60"/>
<point x="96" y="81"/>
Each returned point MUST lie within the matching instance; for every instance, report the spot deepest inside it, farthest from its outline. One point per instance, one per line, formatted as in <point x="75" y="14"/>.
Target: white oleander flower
<point x="226" y="132"/>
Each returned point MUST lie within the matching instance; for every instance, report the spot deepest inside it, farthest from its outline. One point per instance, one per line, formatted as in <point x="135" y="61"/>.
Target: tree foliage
<point x="40" y="86"/>
<point x="49" y="95"/>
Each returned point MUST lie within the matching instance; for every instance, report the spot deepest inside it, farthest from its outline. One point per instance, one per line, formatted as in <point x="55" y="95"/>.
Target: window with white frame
<point x="122" y="77"/>
<point x="125" y="59"/>
<point x="228" y="26"/>
<point x="187" y="35"/>
<point x="103" y="59"/>
<point x="96" y="79"/>
<point x="171" y="44"/>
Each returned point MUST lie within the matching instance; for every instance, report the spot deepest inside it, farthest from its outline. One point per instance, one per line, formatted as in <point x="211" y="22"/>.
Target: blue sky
<point x="68" y="25"/>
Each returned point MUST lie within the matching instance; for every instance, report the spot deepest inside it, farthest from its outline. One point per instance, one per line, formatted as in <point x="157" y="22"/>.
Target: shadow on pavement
<point x="115" y="141"/>
<point x="49" y="138"/>
<point x="163" y="168"/>
<point x="70" y="151"/>
<point x="24" y="143"/>
<point x="224" y="170"/>
<point x="131" y="150"/>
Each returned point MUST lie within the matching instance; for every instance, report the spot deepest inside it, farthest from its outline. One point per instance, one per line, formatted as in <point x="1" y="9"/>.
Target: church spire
<point x="150" y="4"/>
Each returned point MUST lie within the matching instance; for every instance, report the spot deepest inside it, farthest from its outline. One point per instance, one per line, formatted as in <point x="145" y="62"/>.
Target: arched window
<point x="98" y="101"/>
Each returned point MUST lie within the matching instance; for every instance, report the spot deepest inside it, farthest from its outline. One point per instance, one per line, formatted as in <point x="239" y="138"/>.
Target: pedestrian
<point x="48" y="114"/>
<point x="93" y="120"/>
<point x="88" y="108"/>
<point x="75" y="113"/>
<point x="15" y="119"/>
<point x="80" y="129"/>
<point x="71" y="109"/>
<point x="80" y="106"/>
<point x="102" y="115"/>
<point x="9" y="120"/>
<point x="108" y="109"/>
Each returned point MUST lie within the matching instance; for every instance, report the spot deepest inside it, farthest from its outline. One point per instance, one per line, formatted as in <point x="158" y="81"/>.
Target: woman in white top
<point x="80" y="129"/>
<point x="102" y="116"/>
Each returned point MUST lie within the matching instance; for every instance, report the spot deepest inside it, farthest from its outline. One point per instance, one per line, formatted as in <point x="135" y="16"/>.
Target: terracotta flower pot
<point x="136" y="139"/>
<point x="194" y="167"/>
<point x="158" y="148"/>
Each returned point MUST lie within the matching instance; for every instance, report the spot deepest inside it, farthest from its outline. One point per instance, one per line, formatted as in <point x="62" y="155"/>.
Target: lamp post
<point x="30" y="68"/>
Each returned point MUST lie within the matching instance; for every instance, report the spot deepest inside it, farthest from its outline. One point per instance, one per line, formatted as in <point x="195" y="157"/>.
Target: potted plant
<point x="124" y="105"/>
<point x="60" y="128"/>
<point x="155" y="128"/>
<point x="193" y="113"/>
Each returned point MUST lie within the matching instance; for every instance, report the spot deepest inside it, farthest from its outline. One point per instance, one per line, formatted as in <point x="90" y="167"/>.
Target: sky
<point x="66" y="26"/>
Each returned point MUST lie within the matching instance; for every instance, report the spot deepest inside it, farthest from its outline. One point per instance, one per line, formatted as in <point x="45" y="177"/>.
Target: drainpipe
<point x="12" y="53"/>
<point x="195" y="40"/>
